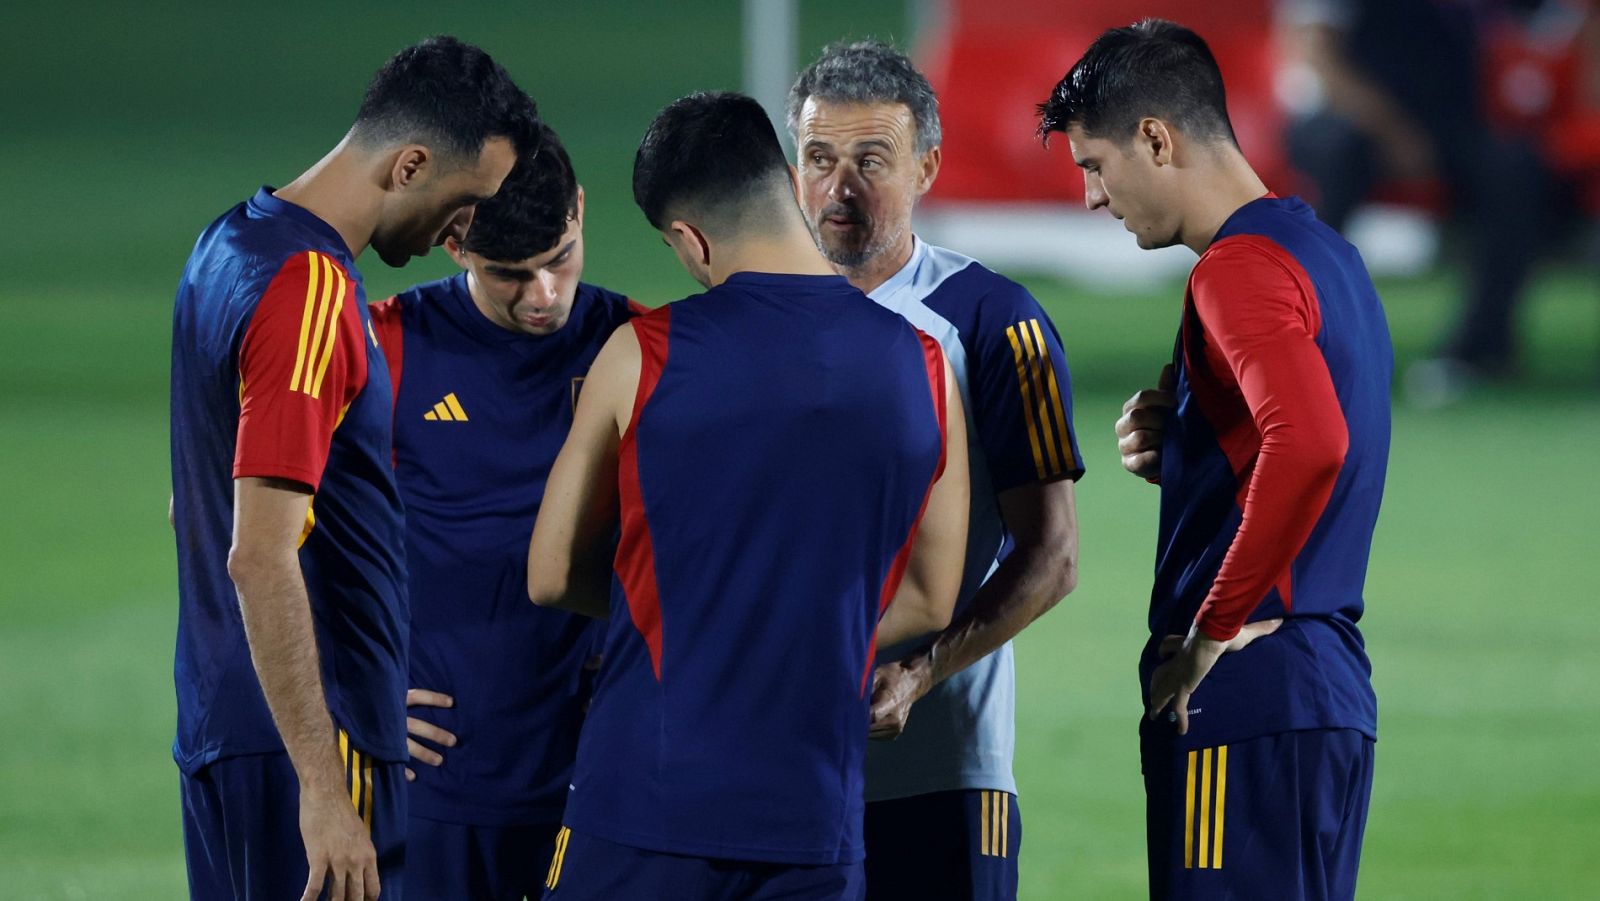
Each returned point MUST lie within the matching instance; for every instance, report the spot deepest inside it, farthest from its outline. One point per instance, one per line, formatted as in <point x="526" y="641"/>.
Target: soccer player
<point x="942" y="813"/>
<point x="1269" y="436"/>
<point x="789" y="460"/>
<point x="291" y="652"/>
<point x="487" y="366"/>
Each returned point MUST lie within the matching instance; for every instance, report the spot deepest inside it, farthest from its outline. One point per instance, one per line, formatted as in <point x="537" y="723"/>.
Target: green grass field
<point x="134" y="128"/>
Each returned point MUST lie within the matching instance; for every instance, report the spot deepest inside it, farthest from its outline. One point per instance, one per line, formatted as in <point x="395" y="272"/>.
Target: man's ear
<point x="410" y="166"/>
<point x="1155" y="139"/>
<point x="693" y="239"/>
<point x="929" y="166"/>
<point x="456" y="251"/>
<point x="580" y="206"/>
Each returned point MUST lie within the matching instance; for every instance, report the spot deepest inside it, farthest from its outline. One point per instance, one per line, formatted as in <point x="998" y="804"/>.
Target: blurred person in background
<point x="1392" y="91"/>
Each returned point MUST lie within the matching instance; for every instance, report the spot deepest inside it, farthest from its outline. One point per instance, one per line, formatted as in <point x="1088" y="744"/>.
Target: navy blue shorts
<point x="451" y="861"/>
<point x="958" y="845"/>
<point x="1278" y="817"/>
<point x="586" y="868"/>
<point x="241" y="826"/>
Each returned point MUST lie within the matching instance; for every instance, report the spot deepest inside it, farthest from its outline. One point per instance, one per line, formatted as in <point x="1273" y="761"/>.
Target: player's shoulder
<point x="611" y="307"/>
<point x="971" y="295"/>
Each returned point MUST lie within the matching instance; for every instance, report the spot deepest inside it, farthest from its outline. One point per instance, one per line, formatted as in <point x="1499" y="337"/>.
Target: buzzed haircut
<point x="713" y="157"/>
<point x="530" y="212"/>
<point x="449" y="96"/>
<point x="1150" y="68"/>
<point x="868" y="72"/>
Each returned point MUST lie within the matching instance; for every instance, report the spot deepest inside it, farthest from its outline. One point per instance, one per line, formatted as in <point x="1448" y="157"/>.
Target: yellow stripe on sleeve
<point x="1023" y="385"/>
<point x="333" y="333"/>
<point x="1005" y="824"/>
<point x="305" y="320"/>
<point x="355" y="779"/>
<point x="1188" y="816"/>
<point x="319" y="323"/>
<point x="366" y="810"/>
<point x="554" y="878"/>
<point x="1222" y="799"/>
<point x="1205" y="808"/>
<point x="1036" y="362"/>
<point x="1058" y="419"/>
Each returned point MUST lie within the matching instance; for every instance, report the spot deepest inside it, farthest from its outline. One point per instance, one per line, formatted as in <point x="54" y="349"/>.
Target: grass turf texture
<point x="1480" y="622"/>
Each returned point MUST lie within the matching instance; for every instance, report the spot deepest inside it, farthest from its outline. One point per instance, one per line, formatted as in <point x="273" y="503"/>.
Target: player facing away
<point x="486" y="367"/>
<point x="788" y="462"/>
<point x="1269" y="436"/>
<point x="291" y="653"/>
<point x="942" y="815"/>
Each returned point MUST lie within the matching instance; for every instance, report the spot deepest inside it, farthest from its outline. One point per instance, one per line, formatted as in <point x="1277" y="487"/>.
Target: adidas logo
<point x="447" y="410"/>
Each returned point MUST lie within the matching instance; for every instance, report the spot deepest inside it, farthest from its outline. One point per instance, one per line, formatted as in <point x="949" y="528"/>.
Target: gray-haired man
<point x="942" y="818"/>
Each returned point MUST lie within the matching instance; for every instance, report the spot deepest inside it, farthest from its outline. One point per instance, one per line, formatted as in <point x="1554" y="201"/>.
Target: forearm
<point x="1026" y="585"/>
<point x="283" y="648"/>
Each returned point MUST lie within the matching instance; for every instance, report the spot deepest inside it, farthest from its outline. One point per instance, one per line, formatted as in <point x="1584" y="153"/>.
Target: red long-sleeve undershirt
<point x="1260" y="318"/>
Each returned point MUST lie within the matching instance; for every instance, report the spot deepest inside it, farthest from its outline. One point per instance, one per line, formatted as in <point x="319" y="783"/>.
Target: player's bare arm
<point x="927" y="594"/>
<point x="1139" y="431"/>
<point x="1041" y="570"/>
<point x="265" y="567"/>
<point x="569" y="565"/>
<point x="420" y="730"/>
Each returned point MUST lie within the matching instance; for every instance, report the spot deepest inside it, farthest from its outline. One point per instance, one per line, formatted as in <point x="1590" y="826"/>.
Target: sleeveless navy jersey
<point x="784" y="439"/>
<point x="276" y="372"/>
<point x="480" y="413"/>
<point x="1271" y="475"/>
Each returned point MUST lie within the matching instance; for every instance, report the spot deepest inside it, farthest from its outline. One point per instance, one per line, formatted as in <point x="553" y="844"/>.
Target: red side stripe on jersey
<point x="933" y="362"/>
<point x="636" y="309"/>
<point x="636" y="556"/>
<point x="391" y="338"/>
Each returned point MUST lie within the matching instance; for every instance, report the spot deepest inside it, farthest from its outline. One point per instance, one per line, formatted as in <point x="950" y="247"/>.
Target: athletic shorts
<point x="453" y="861"/>
<point x="1278" y="817"/>
<point x="586" y="868"/>
<point x="958" y="845"/>
<point x="241" y="825"/>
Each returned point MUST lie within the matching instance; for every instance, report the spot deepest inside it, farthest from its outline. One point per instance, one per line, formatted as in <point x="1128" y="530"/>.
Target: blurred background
<point x="1456" y="142"/>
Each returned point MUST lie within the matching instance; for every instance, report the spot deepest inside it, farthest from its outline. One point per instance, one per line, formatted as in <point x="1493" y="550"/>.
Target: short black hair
<point x="1150" y="68"/>
<point x="448" y="95"/>
<point x="713" y="156"/>
<point x="530" y="212"/>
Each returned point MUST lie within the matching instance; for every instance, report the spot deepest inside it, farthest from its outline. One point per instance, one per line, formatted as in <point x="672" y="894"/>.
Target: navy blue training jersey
<point x="1272" y="472"/>
<point x="785" y="437"/>
<point x="276" y="373"/>
<point x="480" y="414"/>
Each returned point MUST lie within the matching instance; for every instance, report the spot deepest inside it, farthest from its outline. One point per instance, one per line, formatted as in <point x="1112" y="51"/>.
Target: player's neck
<point x="790" y="252"/>
<point x="335" y="190"/>
<point x="1226" y="185"/>
<point x="881" y="267"/>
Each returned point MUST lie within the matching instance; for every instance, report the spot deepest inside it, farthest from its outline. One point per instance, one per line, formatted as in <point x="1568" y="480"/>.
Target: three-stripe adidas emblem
<point x="447" y="410"/>
<point x="1211" y="765"/>
<point x="1049" y="436"/>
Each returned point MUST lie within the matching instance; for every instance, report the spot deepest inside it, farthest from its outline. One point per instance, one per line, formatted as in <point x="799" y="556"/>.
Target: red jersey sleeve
<point x="302" y="361"/>
<point x="1260" y="315"/>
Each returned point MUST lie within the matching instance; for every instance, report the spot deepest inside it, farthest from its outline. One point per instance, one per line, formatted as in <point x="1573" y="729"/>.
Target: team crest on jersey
<point x="577" y="385"/>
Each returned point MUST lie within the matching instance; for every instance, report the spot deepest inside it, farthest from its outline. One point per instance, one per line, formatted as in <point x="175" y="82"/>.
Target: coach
<point x="942" y="815"/>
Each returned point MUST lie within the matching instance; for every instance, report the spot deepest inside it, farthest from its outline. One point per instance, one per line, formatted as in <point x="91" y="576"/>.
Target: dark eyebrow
<point x="509" y="271"/>
<point x="565" y="250"/>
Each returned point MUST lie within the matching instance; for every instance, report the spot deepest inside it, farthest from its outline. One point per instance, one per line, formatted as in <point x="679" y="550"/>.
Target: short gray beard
<point x="856" y="260"/>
